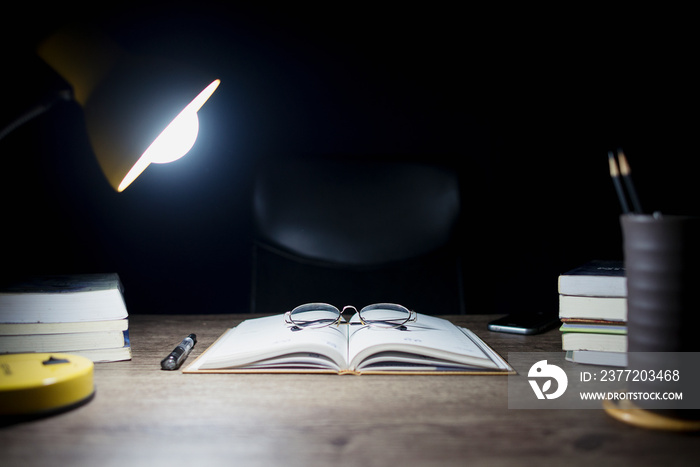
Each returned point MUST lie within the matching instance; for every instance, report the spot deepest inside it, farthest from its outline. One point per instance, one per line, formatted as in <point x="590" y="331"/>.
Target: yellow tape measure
<point x="37" y="383"/>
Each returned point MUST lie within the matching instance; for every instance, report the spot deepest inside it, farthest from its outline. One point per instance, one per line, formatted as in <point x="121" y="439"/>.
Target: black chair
<point x="356" y="232"/>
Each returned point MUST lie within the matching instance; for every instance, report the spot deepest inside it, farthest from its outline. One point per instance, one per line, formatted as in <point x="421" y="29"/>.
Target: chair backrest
<point x="355" y="212"/>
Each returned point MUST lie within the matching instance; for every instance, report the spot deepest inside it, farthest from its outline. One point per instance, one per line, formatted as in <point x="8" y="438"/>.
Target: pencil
<point x="627" y="177"/>
<point x="615" y="174"/>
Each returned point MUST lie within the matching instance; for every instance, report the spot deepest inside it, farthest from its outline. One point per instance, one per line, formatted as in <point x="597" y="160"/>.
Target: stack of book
<point x="78" y="314"/>
<point x="593" y="311"/>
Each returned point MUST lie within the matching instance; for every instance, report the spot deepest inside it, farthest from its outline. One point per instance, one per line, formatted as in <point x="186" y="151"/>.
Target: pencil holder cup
<point x="662" y="263"/>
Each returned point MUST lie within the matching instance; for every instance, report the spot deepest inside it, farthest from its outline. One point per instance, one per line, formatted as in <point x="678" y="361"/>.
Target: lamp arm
<point x="63" y="95"/>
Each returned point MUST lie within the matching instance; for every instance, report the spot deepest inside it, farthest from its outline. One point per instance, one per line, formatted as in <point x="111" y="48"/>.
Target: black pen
<point x="179" y="353"/>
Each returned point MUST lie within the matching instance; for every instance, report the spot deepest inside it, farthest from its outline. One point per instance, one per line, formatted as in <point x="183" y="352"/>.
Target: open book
<point x="428" y="345"/>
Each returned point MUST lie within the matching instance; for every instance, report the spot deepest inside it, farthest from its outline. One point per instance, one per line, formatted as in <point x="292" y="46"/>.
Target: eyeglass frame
<point x="412" y="316"/>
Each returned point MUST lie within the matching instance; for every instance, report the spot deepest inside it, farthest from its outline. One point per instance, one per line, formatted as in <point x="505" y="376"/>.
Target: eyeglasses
<point x="380" y="315"/>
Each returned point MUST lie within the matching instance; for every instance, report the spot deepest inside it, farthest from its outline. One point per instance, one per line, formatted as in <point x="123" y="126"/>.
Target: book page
<point x="403" y="361"/>
<point x="259" y="339"/>
<point x="427" y="337"/>
<point x="300" y="360"/>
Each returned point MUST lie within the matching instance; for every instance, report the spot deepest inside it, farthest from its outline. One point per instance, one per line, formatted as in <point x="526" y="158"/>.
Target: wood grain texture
<point x="144" y="416"/>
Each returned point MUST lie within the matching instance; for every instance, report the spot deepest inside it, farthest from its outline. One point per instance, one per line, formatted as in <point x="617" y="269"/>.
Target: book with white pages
<point x="593" y="308"/>
<point x="62" y="298"/>
<point x="596" y="278"/>
<point x="430" y="345"/>
<point x="62" y="328"/>
<point x="594" y="357"/>
<point x="64" y="342"/>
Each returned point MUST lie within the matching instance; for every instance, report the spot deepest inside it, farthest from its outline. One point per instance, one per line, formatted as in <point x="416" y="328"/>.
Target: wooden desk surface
<point x="144" y="416"/>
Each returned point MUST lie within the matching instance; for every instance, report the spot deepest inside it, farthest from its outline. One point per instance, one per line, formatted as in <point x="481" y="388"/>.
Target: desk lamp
<point x="137" y="110"/>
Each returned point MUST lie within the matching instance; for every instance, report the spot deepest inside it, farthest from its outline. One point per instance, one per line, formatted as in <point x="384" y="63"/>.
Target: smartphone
<point x="525" y="323"/>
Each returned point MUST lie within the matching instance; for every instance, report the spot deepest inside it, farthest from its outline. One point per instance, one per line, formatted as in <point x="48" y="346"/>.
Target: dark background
<point x="525" y="104"/>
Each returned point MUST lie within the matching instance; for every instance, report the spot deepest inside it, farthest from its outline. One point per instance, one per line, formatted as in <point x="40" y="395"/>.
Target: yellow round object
<point x="626" y="411"/>
<point x="37" y="383"/>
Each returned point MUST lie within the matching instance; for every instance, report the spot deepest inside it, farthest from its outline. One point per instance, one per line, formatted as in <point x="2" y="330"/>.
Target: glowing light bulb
<point x="175" y="140"/>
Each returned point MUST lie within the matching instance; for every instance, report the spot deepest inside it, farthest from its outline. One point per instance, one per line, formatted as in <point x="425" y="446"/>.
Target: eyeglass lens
<point x="385" y="315"/>
<point x="314" y="315"/>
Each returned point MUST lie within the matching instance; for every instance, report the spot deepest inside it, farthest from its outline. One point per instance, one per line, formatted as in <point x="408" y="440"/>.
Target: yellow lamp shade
<point x="137" y="110"/>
